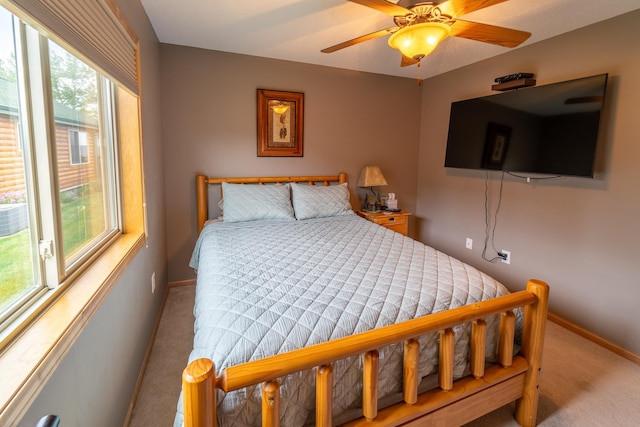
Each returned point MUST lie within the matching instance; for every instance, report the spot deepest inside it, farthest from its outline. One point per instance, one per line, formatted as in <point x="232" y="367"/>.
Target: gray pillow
<point x="250" y="202"/>
<point x="316" y="201"/>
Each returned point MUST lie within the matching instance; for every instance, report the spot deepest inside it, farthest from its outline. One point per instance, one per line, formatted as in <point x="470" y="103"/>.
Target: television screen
<point x="550" y="129"/>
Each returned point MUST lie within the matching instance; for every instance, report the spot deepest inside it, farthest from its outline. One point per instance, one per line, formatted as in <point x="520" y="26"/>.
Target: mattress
<point x="267" y="287"/>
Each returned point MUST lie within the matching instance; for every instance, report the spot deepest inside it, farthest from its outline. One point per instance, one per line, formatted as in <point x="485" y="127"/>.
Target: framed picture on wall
<point x="280" y="123"/>
<point x="495" y="146"/>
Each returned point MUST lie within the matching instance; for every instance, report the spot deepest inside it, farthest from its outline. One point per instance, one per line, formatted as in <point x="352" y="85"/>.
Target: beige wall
<point x="580" y="235"/>
<point x="209" y="126"/>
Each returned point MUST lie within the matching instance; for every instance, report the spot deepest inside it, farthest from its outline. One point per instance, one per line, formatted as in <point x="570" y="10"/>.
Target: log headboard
<point x="202" y="182"/>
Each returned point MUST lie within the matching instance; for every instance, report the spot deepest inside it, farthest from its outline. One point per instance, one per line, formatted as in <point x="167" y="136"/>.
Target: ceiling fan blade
<point x="360" y="39"/>
<point x="457" y="8"/>
<point x="406" y="61"/>
<point x="384" y="6"/>
<point x="500" y="36"/>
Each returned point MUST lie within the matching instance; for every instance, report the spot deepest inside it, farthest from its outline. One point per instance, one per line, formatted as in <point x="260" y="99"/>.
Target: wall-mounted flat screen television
<point x="550" y="129"/>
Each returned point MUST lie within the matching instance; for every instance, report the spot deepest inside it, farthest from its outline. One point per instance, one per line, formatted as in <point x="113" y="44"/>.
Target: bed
<point x="307" y="314"/>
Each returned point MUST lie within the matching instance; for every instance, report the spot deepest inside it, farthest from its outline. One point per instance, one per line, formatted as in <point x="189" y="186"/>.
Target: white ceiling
<point x="296" y="30"/>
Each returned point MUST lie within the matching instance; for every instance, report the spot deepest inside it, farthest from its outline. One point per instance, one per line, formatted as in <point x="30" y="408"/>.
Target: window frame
<point x="29" y="356"/>
<point x="52" y="266"/>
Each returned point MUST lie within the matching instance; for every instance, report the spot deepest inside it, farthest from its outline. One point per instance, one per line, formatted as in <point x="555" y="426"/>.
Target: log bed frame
<point x="453" y="403"/>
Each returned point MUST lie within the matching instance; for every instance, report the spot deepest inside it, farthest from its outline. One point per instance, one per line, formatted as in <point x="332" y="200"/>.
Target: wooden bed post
<point x="199" y="399"/>
<point x="411" y="371"/>
<point x="507" y="332"/>
<point x="370" y="372"/>
<point x="478" y="347"/>
<point x="445" y="358"/>
<point x="535" y="316"/>
<point x="202" y="204"/>
<point x="270" y="403"/>
<point x="324" y="396"/>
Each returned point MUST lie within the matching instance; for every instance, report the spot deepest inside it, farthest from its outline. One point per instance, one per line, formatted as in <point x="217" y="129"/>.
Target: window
<point x="59" y="203"/>
<point x="76" y="226"/>
<point x="17" y="136"/>
<point x="19" y="267"/>
<point x="78" y="147"/>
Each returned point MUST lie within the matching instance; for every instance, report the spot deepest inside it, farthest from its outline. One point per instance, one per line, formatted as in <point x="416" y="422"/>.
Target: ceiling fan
<point x="421" y="26"/>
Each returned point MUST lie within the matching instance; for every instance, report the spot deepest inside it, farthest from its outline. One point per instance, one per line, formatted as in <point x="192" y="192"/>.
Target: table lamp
<point x="371" y="176"/>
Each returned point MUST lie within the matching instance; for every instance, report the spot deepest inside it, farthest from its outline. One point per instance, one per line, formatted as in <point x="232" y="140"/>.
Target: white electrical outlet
<point x="153" y="282"/>
<point x="507" y="259"/>
<point x="469" y="243"/>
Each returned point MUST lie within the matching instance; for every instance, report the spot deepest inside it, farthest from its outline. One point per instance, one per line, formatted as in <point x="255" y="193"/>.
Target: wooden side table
<point x="396" y="221"/>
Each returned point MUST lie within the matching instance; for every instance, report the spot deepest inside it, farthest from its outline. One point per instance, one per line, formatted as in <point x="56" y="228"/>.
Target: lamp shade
<point x="418" y="40"/>
<point x="371" y="176"/>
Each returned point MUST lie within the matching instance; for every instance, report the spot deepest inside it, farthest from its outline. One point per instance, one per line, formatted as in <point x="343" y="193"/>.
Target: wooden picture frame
<point x="495" y="146"/>
<point x="280" y="123"/>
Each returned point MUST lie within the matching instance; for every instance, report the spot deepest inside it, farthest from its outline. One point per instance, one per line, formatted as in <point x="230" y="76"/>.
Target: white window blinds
<point x="95" y="28"/>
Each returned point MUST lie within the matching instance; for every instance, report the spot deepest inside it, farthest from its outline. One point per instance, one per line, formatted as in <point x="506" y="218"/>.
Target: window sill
<point x="30" y="359"/>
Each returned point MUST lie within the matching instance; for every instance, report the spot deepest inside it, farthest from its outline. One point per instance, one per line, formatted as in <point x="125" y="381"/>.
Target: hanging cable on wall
<point x="489" y="232"/>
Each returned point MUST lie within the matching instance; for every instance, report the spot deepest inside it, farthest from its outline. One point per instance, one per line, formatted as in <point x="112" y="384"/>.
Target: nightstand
<point x="396" y="221"/>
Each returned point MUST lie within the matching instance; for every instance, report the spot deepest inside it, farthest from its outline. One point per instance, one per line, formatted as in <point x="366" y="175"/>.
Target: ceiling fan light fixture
<point x="419" y="40"/>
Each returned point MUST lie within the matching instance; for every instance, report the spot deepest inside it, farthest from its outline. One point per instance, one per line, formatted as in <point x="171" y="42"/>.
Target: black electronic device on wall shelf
<point x="513" y="76"/>
<point x="513" y="84"/>
<point x="550" y="129"/>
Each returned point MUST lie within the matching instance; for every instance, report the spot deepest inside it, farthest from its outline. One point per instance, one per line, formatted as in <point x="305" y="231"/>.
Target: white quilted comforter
<point x="267" y="287"/>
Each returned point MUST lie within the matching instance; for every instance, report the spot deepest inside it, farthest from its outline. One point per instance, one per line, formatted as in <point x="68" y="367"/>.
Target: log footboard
<point x="453" y="403"/>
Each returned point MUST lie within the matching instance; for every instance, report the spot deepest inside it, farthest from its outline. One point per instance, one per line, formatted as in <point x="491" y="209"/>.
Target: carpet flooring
<point x="583" y="384"/>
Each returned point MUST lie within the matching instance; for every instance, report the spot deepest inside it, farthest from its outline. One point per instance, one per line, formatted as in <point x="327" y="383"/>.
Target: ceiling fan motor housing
<point x="421" y="13"/>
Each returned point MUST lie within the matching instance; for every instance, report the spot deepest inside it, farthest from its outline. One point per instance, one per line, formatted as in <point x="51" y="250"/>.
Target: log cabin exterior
<point x="77" y="145"/>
